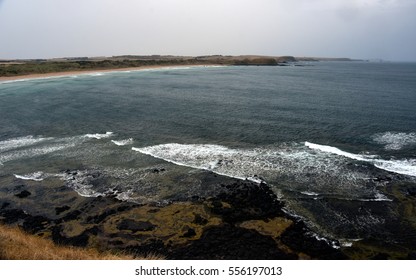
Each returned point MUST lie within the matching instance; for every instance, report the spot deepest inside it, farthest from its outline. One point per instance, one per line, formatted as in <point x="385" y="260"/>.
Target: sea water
<point x="320" y="135"/>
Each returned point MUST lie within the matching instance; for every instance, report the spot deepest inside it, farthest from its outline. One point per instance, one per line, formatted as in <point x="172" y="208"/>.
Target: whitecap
<point x="35" y="79"/>
<point x="108" y="134"/>
<point x="24" y="141"/>
<point x="95" y="74"/>
<point x="29" y="146"/>
<point x="36" y="176"/>
<point x="123" y="142"/>
<point x="334" y="150"/>
<point x="348" y="242"/>
<point x="219" y="159"/>
<point x="395" y="140"/>
<point x="31" y="152"/>
<point x="309" y="193"/>
<point x="405" y="166"/>
<point x="318" y="167"/>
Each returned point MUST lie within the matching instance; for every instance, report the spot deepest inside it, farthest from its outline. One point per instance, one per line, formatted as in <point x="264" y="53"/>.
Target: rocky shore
<point x="243" y="221"/>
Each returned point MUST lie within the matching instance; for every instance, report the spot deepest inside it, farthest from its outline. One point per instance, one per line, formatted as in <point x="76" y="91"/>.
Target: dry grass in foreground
<point x="18" y="245"/>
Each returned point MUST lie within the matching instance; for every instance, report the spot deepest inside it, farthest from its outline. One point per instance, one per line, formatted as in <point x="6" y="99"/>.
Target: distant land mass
<point x="18" y="67"/>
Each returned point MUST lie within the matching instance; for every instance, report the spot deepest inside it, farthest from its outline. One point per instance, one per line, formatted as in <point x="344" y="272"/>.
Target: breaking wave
<point x="219" y="159"/>
<point x="395" y="141"/>
<point x="123" y="142"/>
<point x="36" y="176"/>
<point x="21" y="142"/>
<point x="404" y="167"/>
<point x="32" y="152"/>
<point x="31" y="146"/>
<point x="108" y="134"/>
<point x="323" y="173"/>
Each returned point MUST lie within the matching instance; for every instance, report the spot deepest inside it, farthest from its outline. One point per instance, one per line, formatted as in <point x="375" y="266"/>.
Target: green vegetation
<point x="10" y="68"/>
<point x="41" y="66"/>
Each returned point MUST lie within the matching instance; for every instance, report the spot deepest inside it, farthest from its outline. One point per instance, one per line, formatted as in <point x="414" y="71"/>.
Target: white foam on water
<point x="323" y="173"/>
<point x="310" y="193"/>
<point x="98" y="74"/>
<point x="124" y="184"/>
<point x="108" y="134"/>
<point x="395" y="140"/>
<point x="348" y="242"/>
<point x="333" y="244"/>
<point x="36" y="176"/>
<point x="81" y="184"/>
<point x="39" y="78"/>
<point x="31" y="152"/>
<point x="405" y="166"/>
<point x="24" y="141"/>
<point x="381" y="197"/>
<point x="95" y="74"/>
<point x="123" y="142"/>
<point x="29" y="147"/>
<point x="219" y="159"/>
<point x="333" y="150"/>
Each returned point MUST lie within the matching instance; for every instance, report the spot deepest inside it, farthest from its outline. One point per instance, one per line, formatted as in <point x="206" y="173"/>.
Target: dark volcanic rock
<point x="190" y="233"/>
<point x="299" y="238"/>
<point x="199" y="220"/>
<point x="248" y="201"/>
<point x="158" y="170"/>
<point x="23" y="194"/>
<point x="73" y="215"/>
<point x="79" y="240"/>
<point x="237" y="201"/>
<point x="33" y="224"/>
<point x="11" y="216"/>
<point x="99" y="218"/>
<point x="135" y="226"/>
<point x="59" y="210"/>
<point x="4" y="205"/>
<point x="411" y="191"/>
<point x="229" y="242"/>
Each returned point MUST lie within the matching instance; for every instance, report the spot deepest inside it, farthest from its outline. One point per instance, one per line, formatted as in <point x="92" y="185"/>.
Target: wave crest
<point x="36" y="176"/>
<point x="19" y="142"/>
<point x="108" y="134"/>
<point x="404" y="167"/>
<point x="123" y="142"/>
<point x="291" y="167"/>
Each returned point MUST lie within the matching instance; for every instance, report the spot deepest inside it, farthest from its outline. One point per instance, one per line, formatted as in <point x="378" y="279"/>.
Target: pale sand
<point x="75" y="73"/>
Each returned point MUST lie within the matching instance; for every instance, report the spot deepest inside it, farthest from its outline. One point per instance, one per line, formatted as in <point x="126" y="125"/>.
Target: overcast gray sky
<point x="330" y="28"/>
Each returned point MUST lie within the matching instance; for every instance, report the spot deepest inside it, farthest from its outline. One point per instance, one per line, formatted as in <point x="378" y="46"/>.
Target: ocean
<point x="336" y="141"/>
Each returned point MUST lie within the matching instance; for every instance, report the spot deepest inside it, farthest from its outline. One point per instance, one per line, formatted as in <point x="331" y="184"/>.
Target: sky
<point x="362" y="29"/>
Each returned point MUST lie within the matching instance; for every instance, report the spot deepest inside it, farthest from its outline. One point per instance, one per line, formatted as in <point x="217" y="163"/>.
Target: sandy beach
<point x="86" y="72"/>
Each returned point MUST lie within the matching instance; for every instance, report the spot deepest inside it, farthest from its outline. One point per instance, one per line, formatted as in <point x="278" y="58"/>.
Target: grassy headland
<point x="20" y="67"/>
<point x="11" y="68"/>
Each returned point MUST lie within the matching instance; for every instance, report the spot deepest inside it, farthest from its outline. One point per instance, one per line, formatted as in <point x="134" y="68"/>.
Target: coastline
<point x="64" y="74"/>
<point x="244" y="220"/>
<point x="184" y="224"/>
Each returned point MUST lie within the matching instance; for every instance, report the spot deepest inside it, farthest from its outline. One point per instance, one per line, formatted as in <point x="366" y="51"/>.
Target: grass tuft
<point x="18" y="245"/>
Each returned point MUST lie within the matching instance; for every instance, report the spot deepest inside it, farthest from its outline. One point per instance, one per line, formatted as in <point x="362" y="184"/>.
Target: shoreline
<point x="64" y="74"/>
<point x="244" y="220"/>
